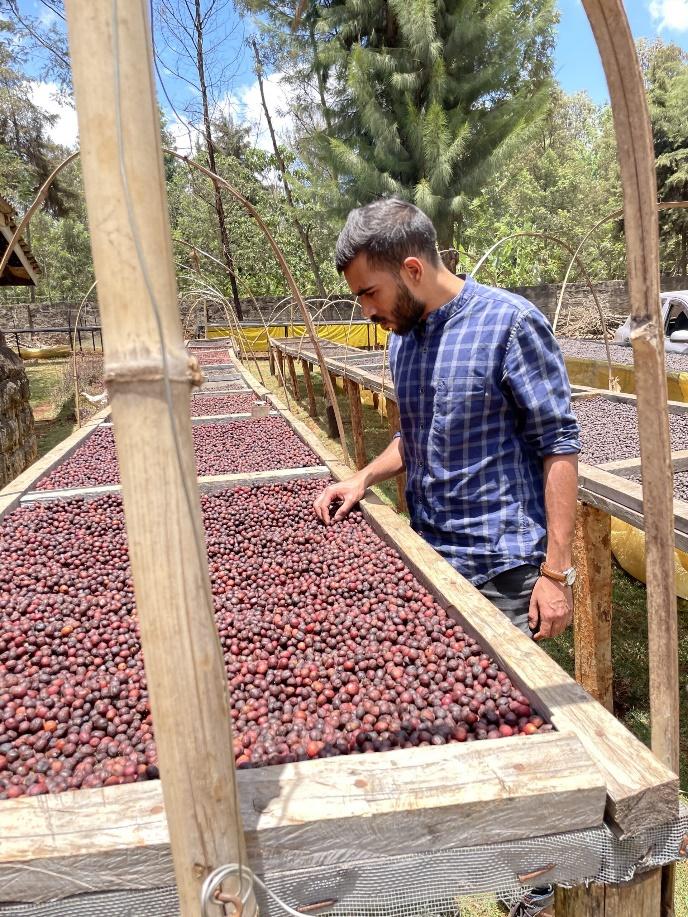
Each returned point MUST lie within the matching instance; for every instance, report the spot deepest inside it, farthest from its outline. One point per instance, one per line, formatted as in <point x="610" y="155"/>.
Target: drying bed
<point x="331" y="645"/>
<point x="216" y="405"/>
<point x="609" y="429"/>
<point x="210" y="356"/>
<point x="595" y="350"/>
<point x="261" y="444"/>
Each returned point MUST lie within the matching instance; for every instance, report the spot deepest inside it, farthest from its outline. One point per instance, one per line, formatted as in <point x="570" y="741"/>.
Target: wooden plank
<point x="354" y="393"/>
<point x="641" y="791"/>
<point x="12" y="493"/>
<point x="312" y="406"/>
<point x="585" y="391"/>
<point x="325" y="812"/>
<point x="623" y="499"/>
<point x="205" y="483"/>
<point x="400" y="479"/>
<point x="592" y="594"/>
<point x="626" y="467"/>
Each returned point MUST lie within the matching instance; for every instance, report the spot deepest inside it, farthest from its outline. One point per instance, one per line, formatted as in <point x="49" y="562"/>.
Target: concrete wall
<point x="613" y="296"/>
<point x="17" y="434"/>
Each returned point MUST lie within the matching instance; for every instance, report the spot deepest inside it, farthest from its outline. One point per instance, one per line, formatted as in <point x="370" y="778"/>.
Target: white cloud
<point x="65" y="130"/>
<point x="670" y="14"/>
<point x="247" y="108"/>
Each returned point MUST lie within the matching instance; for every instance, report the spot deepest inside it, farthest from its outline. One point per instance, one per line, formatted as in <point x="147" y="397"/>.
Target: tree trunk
<point x="207" y="128"/>
<point x="445" y="243"/>
<point x="683" y="263"/>
<point x="303" y="235"/>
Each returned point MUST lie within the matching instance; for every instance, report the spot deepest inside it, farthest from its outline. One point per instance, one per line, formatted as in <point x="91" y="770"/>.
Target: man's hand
<point x="551" y="608"/>
<point x="349" y="492"/>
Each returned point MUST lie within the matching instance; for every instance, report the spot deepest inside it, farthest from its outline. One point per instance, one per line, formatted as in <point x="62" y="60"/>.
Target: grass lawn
<point x="54" y="419"/>
<point x="629" y="641"/>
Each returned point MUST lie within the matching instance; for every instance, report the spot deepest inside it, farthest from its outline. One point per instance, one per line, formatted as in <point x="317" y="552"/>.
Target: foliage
<point x="562" y="178"/>
<point x="419" y="98"/>
<point x="666" y="76"/>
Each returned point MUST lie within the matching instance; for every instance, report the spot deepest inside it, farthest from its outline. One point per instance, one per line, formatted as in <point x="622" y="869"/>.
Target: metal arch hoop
<point x="581" y="264"/>
<point x="616" y="215"/>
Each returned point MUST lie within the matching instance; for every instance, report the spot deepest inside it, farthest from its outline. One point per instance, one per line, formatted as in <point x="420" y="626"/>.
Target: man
<point x="488" y="439"/>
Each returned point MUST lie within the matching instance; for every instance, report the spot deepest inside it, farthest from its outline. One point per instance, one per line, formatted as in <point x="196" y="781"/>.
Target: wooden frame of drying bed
<point x="327" y="811"/>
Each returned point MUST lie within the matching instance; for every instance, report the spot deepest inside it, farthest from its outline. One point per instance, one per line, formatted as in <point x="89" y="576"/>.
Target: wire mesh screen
<point x="417" y="885"/>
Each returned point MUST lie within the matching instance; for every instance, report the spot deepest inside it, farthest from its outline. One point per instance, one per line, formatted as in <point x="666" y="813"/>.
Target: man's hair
<point x="388" y="231"/>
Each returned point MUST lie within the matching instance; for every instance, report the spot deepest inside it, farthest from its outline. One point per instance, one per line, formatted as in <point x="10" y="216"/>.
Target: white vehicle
<point x="675" y="315"/>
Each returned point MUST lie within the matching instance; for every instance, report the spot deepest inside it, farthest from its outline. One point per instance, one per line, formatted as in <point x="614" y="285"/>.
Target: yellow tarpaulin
<point x="628" y="545"/>
<point x="44" y="353"/>
<point x="357" y="335"/>
<point x="595" y="373"/>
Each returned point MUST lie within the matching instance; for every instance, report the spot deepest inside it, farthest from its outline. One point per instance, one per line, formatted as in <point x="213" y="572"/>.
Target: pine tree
<point x="422" y="96"/>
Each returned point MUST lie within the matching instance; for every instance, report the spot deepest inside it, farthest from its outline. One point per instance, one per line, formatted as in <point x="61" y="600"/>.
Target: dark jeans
<point x="510" y="592"/>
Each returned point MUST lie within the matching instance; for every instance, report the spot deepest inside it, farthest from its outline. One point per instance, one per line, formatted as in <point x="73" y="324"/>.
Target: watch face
<point x="570" y="576"/>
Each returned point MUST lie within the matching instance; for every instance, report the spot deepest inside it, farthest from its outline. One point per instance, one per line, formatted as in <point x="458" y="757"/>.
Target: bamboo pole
<point x="637" y="163"/>
<point x="149" y="377"/>
<point x="312" y="404"/>
<point x="354" y="393"/>
<point x="592" y="603"/>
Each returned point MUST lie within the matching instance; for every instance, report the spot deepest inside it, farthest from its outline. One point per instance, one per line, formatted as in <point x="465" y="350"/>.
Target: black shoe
<point x="534" y="902"/>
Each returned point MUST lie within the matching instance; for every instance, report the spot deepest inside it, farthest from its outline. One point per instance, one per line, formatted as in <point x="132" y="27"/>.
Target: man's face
<point x="383" y="296"/>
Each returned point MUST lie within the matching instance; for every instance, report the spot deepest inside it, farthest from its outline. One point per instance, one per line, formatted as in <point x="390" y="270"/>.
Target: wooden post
<point x="280" y="360"/>
<point x="312" y="406"/>
<point x="149" y="377"/>
<point x="393" y="421"/>
<point x="271" y="359"/>
<point x="292" y="376"/>
<point x="638" y="898"/>
<point x="376" y="400"/>
<point x="354" y="392"/>
<point x="637" y="165"/>
<point x="329" y="409"/>
<point x="592" y="595"/>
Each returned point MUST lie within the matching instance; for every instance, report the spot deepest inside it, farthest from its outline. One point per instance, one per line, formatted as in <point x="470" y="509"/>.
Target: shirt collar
<point x="438" y="318"/>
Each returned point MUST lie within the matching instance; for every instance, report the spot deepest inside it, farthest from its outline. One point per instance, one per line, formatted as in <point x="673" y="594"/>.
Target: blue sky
<point x="577" y="64"/>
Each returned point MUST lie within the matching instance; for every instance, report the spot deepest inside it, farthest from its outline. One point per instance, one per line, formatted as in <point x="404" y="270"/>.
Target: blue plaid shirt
<point x="483" y="397"/>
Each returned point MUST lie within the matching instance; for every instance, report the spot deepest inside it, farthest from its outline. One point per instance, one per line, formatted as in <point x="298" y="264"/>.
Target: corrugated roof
<point x="15" y="273"/>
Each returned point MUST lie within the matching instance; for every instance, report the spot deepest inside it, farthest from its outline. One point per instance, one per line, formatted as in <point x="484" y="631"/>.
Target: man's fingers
<point x="533" y="614"/>
<point x="322" y="505"/>
<point x="344" y="509"/>
<point x="545" y="630"/>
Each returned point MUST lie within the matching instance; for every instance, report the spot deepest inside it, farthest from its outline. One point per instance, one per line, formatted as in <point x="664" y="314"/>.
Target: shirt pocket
<point x="461" y="394"/>
<point x="458" y="419"/>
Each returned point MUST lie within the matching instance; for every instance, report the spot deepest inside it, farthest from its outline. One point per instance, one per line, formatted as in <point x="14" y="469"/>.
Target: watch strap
<point x="552" y="574"/>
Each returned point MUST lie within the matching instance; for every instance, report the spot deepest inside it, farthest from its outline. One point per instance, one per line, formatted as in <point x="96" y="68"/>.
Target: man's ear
<point x="412" y="270"/>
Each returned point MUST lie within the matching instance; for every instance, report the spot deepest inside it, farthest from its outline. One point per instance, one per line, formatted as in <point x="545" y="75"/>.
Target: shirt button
<point x="422" y="390"/>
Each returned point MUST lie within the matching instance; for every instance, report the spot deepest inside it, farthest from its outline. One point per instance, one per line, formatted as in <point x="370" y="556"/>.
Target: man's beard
<point x="407" y="311"/>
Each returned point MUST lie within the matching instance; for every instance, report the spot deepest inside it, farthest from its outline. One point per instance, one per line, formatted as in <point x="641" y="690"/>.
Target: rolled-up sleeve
<point x="535" y="380"/>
